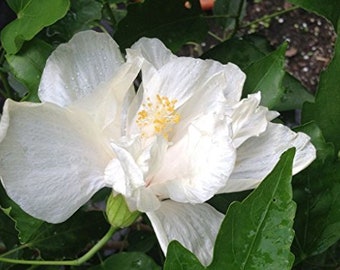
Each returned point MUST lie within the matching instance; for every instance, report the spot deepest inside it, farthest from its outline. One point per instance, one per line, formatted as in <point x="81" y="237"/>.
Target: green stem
<point x="109" y="11"/>
<point x="75" y="262"/>
<point x="215" y="36"/>
<point x="273" y="15"/>
<point x="14" y="250"/>
<point x="237" y="19"/>
<point x="221" y="16"/>
<point x="7" y="93"/>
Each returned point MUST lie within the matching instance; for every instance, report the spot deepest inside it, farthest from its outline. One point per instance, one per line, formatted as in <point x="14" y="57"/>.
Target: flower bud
<point x="118" y="212"/>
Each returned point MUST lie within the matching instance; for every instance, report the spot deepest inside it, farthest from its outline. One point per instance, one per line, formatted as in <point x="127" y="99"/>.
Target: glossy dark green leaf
<point x="326" y="110"/>
<point x="231" y="10"/>
<point x="32" y="16"/>
<point x="8" y="234"/>
<point x="266" y="75"/>
<point x="83" y="15"/>
<point x="28" y="64"/>
<point x="294" y="95"/>
<point x="246" y="51"/>
<point x="317" y="221"/>
<point x="325" y="150"/>
<point x="173" y="23"/>
<point x="141" y="241"/>
<point x="327" y="8"/>
<point x="241" y="52"/>
<point x="316" y="191"/>
<point x="128" y="261"/>
<point x="24" y="223"/>
<point x="221" y="202"/>
<point x="179" y="258"/>
<point x="257" y="233"/>
<point x="69" y="237"/>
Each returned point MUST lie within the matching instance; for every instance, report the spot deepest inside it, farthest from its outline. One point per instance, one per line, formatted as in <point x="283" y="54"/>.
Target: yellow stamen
<point x="157" y="116"/>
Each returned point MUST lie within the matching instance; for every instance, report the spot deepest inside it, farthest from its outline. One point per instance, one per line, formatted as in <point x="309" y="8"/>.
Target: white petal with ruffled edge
<point x="192" y="75"/>
<point x="249" y="119"/>
<point x="108" y="104"/>
<point x="257" y="157"/>
<point x="153" y="51"/>
<point x="76" y="68"/>
<point x="194" y="226"/>
<point x="129" y="174"/>
<point x="52" y="160"/>
<point x="199" y="164"/>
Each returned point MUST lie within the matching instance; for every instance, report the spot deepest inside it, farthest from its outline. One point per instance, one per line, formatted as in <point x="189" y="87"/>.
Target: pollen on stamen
<point x="157" y="116"/>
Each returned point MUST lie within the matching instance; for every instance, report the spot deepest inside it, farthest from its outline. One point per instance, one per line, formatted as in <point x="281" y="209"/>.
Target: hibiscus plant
<point x="120" y="150"/>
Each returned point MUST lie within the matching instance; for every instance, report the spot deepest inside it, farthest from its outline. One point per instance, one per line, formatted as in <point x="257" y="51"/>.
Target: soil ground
<point x="310" y="37"/>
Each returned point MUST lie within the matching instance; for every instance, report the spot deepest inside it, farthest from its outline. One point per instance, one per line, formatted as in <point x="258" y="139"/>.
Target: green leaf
<point x="221" y="202"/>
<point x="27" y="66"/>
<point x="317" y="221"/>
<point x="141" y="240"/>
<point x="251" y="49"/>
<point x="83" y="15"/>
<point x="326" y="110"/>
<point x="24" y="223"/>
<point x="325" y="150"/>
<point x="70" y="237"/>
<point x="128" y="261"/>
<point x="257" y="233"/>
<point x="33" y="15"/>
<point x="316" y="189"/>
<point x="179" y="258"/>
<point x="327" y="8"/>
<point x="241" y="52"/>
<point x="232" y="10"/>
<point x="266" y="75"/>
<point x="8" y="234"/>
<point x="172" y="23"/>
<point x="294" y="96"/>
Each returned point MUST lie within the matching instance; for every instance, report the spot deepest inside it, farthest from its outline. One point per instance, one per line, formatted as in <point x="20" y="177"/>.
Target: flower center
<point x="157" y="116"/>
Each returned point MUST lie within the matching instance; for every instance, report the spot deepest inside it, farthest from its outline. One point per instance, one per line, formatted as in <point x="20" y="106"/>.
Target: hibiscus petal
<point x="194" y="226"/>
<point x="130" y="176"/>
<point x="249" y="119"/>
<point x="76" y="68"/>
<point x="153" y="51"/>
<point x="180" y="77"/>
<point x="257" y="157"/>
<point x="184" y="77"/>
<point x="52" y="159"/>
<point x="108" y="104"/>
<point x="199" y="164"/>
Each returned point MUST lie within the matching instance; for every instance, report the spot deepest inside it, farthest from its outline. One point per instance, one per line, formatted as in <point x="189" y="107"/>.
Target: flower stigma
<point x="157" y="116"/>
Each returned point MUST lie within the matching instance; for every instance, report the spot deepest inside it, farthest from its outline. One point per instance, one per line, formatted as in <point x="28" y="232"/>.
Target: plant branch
<point x="110" y="13"/>
<point x="75" y="262"/>
<point x="266" y="17"/>
<point x="237" y="18"/>
<point x="7" y="92"/>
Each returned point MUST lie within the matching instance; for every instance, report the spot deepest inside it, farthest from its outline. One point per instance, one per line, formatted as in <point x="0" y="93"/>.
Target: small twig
<point x="7" y="91"/>
<point x="237" y="19"/>
<point x="75" y="262"/>
<point x="111" y="15"/>
<point x="215" y="36"/>
<point x="266" y="17"/>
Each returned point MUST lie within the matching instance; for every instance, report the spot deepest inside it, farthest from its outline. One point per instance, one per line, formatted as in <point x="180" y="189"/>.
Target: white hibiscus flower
<point x="184" y="137"/>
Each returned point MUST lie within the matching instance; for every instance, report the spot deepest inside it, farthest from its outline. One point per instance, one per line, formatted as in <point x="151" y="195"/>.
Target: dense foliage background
<point x="285" y="223"/>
